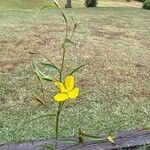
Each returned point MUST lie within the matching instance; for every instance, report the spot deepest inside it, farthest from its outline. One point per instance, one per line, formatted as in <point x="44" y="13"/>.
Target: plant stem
<point x="60" y="73"/>
<point x="60" y="103"/>
<point x="57" y="122"/>
<point x="64" y="51"/>
<point x="62" y="64"/>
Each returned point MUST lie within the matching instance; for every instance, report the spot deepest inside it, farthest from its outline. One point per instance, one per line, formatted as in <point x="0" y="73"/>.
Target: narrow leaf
<point x="76" y="69"/>
<point x="92" y="136"/>
<point x="48" y="146"/>
<point x="68" y="41"/>
<point x="41" y="101"/>
<point x="50" y="65"/>
<point x="47" y="78"/>
<point x="48" y="6"/>
<point x="63" y="14"/>
<point x="83" y="134"/>
<point x="40" y="74"/>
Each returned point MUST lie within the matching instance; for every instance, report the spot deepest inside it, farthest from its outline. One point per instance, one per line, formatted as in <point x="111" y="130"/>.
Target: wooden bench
<point x="124" y="140"/>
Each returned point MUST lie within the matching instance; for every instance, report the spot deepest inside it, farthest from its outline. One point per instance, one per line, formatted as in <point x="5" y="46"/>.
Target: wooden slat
<point x="124" y="139"/>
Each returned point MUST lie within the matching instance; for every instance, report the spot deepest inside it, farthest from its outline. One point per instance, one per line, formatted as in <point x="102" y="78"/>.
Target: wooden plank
<point x="124" y="139"/>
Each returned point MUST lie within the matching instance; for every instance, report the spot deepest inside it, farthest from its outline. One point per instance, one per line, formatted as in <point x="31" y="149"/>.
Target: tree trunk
<point x="68" y="4"/>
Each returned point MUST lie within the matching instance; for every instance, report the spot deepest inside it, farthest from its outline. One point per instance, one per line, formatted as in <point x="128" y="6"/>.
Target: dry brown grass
<point x="120" y="3"/>
<point x="115" y="85"/>
<point x="36" y="4"/>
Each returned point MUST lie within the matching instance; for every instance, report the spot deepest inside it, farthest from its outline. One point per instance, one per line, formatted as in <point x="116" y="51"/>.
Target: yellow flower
<point x="67" y="90"/>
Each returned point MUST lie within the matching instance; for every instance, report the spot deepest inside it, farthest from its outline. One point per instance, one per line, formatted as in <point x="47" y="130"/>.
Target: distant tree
<point x="146" y="4"/>
<point x="90" y="3"/>
<point x="141" y="0"/>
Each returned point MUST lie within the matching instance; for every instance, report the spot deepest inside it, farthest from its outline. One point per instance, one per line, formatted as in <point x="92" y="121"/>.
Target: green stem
<point x="60" y="73"/>
<point x="62" y="64"/>
<point x="57" y="121"/>
<point x="64" y="51"/>
<point x="60" y="103"/>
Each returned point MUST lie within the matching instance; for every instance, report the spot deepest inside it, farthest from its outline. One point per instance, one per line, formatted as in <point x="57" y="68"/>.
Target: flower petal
<point x="60" y="86"/>
<point x="69" y="82"/>
<point x="74" y="93"/>
<point x="61" y="97"/>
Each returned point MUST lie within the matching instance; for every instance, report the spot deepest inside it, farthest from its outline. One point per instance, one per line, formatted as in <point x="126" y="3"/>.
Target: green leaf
<point x="63" y="14"/>
<point x="76" y="69"/>
<point x="49" y="146"/>
<point x="48" y="6"/>
<point x="83" y="134"/>
<point x="50" y="66"/>
<point x="40" y="74"/>
<point x="47" y="78"/>
<point x="93" y="137"/>
<point x="68" y="41"/>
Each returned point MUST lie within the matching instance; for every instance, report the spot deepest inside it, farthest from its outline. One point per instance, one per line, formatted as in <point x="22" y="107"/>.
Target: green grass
<point x="115" y="85"/>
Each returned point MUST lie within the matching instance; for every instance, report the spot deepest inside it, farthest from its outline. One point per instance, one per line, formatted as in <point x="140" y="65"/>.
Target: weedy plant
<point x="67" y="88"/>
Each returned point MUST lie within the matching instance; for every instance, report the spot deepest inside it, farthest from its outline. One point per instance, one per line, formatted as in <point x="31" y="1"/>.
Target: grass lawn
<point x="35" y="4"/>
<point x="115" y="85"/>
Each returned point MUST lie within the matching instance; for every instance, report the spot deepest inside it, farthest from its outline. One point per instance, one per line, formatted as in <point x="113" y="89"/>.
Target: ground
<point x="114" y="85"/>
<point x="34" y="4"/>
